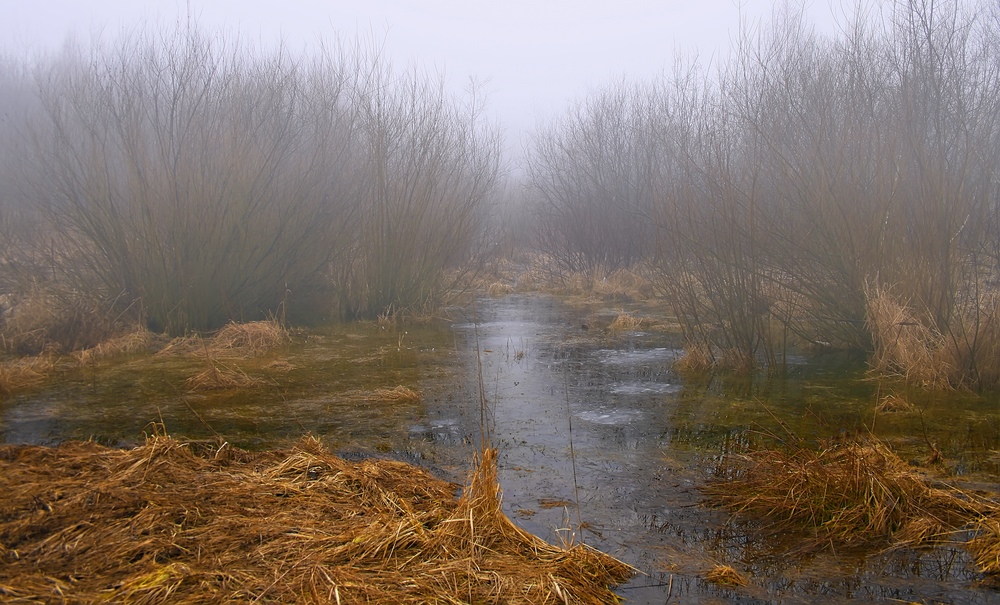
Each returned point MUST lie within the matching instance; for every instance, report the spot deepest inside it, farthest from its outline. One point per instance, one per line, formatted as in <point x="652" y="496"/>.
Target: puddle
<point x="591" y="427"/>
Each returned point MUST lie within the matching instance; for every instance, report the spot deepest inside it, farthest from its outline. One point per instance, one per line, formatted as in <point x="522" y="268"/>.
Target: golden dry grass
<point x="399" y="394"/>
<point x="163" y="523"/>
<point x="893" y="403"/>
<point x="24" y="373"/>
<point x="499" y="289"/>
<point x="985" y="545"/>
<point x="217" y="376"/>
<point x="127" y="344"/>
<point x="234" y="340"/>
<point x="697" y="359"/>
<point x="904" y="344"/>
<point x="964" y="353"/>
<point x="625" y="322"/>
<point x="724" y="575"/>
<point x="249" y="339"/>
<point x="857" y="493"/>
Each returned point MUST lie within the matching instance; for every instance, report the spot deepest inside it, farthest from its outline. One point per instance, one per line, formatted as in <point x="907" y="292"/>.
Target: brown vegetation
<point x="625" y="322"/>
<point x="24" y="373"/>
<point x="726" y="576"/>
<point x="217" y="376"/>
<point x="399" y="394"/>
<point x="163" y="523"/>
<point x="908" y="344"/>
<point x="249" y="339"/>
<point x="135" y="341"/>
<point x="855" y="494"/>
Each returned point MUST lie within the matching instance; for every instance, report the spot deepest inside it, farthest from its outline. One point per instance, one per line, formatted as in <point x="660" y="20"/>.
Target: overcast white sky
<point x="535" y="56"/>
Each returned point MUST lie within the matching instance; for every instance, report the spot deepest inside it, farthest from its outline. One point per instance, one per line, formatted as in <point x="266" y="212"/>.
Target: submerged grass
<point x="170" y="521"/>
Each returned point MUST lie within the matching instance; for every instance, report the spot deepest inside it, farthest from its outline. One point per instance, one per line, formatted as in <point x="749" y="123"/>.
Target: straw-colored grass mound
<point x="24" y="373"/>
<point x="234" y="340"/>
<point x="854" y="494"/>
<point x="625" y="322"/>
<point x="160" y="523"/>
<point x="126" y="344"/>
<point x="220" y="377"/>
<point x="724" y="575"/>
<point x="400" y="394"/>
<point x="251" y="338"/>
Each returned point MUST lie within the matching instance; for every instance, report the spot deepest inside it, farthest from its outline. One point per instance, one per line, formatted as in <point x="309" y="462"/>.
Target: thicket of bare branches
<point x="189" y="179"/>
<point x="805" y="172"/>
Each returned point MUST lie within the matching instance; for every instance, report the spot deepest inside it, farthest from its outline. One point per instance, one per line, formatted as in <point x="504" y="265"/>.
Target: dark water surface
<point x="562" y="402"/>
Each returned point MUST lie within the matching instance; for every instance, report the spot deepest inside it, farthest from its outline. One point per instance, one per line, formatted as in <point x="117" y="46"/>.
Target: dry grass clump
<point x="43" y="320"/>
<point x="852" y="494"/>
<point x="725" y="575"/>
<point x="24" y="373"/>
<point x="217" y="376"/>
<point x="234" y="340"/>
<point x="893" y="403"/>
<point x="625" y="322"/>
<point x="963" y="353"/>
<point x="127" y="344"/>
<point x="499" y="289"/>
<point x="985" y="545"/>
<point x="399" y="394"/>
<point x="250" y="338"/>
<point x="905" y="345"/>
<point x="161" y="523"/>
<point x="697" y="359"/>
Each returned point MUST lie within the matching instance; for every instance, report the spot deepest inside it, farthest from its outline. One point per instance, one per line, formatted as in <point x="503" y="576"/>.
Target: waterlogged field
<point x="599" y="439"/>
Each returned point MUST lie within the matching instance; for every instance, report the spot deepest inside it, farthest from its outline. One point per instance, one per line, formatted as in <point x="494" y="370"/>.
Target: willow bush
<point x="429" y="168"/>
<point x="195" y="180"/>
<point x="803" y="170"/>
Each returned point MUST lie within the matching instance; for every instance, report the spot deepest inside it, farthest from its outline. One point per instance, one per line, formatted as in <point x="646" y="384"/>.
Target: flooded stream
<point x="599" y="439"/>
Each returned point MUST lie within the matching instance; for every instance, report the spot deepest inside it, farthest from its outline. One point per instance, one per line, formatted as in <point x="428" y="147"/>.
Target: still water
<point x="599" y="439"/>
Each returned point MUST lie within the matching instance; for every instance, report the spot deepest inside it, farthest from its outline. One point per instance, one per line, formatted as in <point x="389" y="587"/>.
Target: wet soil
<point x="599" y="439"/>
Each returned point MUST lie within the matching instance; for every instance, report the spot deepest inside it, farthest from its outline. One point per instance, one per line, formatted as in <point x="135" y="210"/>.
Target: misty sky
<point x="534" y="56"/>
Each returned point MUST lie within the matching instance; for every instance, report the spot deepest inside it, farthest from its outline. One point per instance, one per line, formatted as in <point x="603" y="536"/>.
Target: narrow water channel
<point x="599" y="439"/>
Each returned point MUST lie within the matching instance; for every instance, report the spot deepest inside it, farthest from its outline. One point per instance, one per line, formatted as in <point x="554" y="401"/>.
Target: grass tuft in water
<point x="852" y="494"/>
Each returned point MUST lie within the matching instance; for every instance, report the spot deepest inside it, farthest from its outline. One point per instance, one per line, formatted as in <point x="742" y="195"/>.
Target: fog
<point x="531" y="57"/>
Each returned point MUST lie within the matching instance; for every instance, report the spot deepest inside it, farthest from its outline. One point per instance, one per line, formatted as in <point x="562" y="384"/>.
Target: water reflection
<point x="592" y="426"/>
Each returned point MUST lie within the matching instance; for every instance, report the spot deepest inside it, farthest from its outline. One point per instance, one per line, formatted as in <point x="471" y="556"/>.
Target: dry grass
<point x="625" y="322"/>
<point x="725" y="575"/>
<point x="904" y="344"/>
<point x="854" y="494"/>
<point x="217" y="376"/>
<point x="249" y="339"/>
<point x="127" y="344"/>
<point x="893" y="403"/>
<point x="697" y="359"/>
<point x="234" y="340"/>
<point x="399" y="394"/>
<point x="908" y="345"/>
<point x="985" y="545"/>
<point x="162" y="523"/>
<point x="499" y="289"/>
<point x="24" y="373"/>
